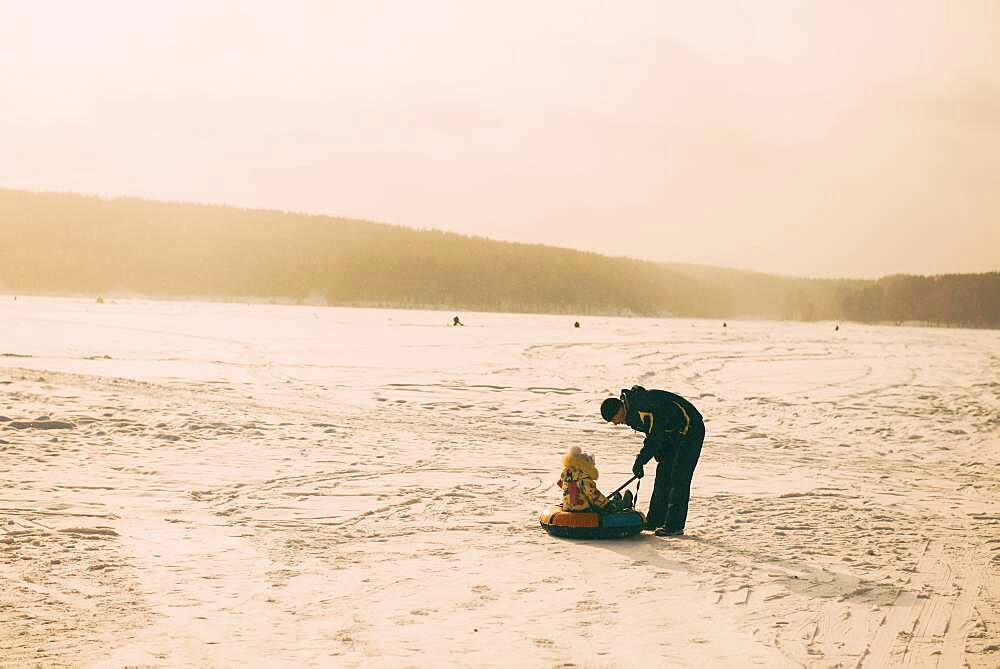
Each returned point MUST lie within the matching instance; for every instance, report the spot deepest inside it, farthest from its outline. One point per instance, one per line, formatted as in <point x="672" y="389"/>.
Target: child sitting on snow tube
<point x="585" y="513"/>
<point x="579" y="472"/>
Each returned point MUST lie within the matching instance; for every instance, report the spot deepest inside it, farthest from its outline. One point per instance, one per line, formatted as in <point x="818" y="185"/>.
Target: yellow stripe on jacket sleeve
<point x="687" y="419"/>
<point x="643" y="415"/>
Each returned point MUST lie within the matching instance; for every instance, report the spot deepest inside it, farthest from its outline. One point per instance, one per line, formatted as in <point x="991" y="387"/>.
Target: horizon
<point x="797" y="141"/>
<point x="334" y="218"/>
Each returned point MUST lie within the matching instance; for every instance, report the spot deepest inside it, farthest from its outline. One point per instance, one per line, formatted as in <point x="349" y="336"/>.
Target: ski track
<point x="846" y="510"/>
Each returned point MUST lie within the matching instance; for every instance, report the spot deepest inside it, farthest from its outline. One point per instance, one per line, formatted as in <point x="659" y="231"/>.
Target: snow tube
<point x="589" y="525"/>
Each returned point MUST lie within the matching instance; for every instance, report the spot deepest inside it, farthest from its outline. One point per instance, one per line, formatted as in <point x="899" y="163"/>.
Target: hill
<point x="75" y="244"/>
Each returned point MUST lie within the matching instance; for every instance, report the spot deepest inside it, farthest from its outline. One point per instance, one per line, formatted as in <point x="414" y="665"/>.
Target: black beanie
<point x="610" y="407"/>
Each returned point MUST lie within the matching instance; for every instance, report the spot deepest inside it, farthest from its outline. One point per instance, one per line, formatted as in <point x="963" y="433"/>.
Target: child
<point x="579" y="472"/>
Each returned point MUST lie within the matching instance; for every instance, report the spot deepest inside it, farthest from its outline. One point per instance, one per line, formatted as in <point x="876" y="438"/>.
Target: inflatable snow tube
<point x="589" y="525"/>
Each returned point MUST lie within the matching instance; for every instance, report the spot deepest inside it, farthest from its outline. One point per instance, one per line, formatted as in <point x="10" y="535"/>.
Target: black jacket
<point x="665" y="418"/>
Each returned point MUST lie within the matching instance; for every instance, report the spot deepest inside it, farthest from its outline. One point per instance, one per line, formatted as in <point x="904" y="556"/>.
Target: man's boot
<point x="665" y="531"/>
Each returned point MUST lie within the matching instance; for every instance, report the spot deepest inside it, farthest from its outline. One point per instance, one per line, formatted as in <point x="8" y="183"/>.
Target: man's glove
<point x="637" y="469"/>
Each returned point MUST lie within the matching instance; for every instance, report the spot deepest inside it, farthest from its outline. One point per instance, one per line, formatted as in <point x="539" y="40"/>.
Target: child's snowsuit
<point x="580" y="493"/>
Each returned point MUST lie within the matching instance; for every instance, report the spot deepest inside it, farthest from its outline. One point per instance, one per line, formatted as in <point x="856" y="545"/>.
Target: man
<point x="674" y="432"/>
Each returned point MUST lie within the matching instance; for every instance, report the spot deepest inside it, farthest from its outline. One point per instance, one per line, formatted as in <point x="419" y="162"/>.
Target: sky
<point x="815" y="138"/>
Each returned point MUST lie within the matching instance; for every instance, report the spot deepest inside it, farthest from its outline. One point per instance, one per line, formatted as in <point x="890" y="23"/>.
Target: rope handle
<point x="622" y="486"/>
<point x="635" y="500"/>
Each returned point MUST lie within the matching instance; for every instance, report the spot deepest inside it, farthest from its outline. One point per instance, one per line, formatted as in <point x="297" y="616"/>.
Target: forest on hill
<point x="81" y="245"/>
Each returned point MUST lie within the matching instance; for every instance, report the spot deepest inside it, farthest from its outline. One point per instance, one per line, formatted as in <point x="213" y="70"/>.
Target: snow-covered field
<point x="224" y="484"/>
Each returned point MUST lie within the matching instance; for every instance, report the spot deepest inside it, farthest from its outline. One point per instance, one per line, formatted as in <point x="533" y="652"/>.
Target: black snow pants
<point x="668" y="507"/>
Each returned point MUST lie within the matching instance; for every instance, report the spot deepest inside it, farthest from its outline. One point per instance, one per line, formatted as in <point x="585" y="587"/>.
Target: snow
<point x="284" y="485"/>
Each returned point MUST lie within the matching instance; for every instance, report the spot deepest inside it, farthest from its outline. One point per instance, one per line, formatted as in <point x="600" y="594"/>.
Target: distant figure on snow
<point x="837" y="328"/>
<point x="675" y="432"/>
<point x="579" y="472"/>
<point x="723" y="325"/>
<point x="455" y="322"/>
<point x="576" y="324"/>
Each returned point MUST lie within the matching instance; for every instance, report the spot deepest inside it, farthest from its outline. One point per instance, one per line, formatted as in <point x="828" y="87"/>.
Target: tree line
<point x="82" y="245"/>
